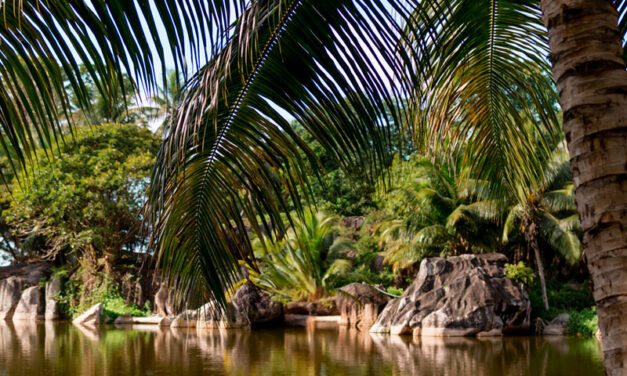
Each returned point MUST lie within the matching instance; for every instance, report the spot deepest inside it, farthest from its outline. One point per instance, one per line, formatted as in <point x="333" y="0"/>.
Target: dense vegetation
<point x="485" y="170"/>
<point x="81" y="209"/>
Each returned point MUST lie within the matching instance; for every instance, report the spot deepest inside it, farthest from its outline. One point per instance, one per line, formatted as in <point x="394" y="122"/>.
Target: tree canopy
<point x="87" y="200"/>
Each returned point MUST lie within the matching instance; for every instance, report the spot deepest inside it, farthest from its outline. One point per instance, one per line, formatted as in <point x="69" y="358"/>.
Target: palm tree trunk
<point x="589" y="70"/>
<point x="545" y="298"/>
<point x="531" y="238"/>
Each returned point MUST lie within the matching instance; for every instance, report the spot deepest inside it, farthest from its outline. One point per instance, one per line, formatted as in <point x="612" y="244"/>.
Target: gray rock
<point x="31" y="305"/>
<point x="185" y="319"/>
<point x="161" y="301"/>
<point x="9" y="296"/>
<point x="557" y="326"/>
<point x="360" y="304"/>
<point x="248" y="307"/>
<point x="16" y="278"/>
<point x="253" y="306"/>
<point x="53" y="289"/>
<point x="458" y="296"/>
<point x="91" y="317"/>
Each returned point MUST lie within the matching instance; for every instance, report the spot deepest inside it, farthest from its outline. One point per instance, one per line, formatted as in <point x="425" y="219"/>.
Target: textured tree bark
<point x="589" y="70"/>
<point x="531" y="238"/>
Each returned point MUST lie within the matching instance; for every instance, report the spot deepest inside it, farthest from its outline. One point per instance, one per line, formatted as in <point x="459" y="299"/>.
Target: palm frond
<point x="232" y="161"/>
<point x="486" y="88"/>
<point x="512" y="221"/>
<point x="563" y="241"/>
<point x="560" y="199"/>
<point x="51" y="47"/>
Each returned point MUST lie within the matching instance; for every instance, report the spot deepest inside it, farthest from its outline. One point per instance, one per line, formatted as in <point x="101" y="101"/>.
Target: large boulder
<point x="91" y="317"/>
<point x="185" y="319"/>
<point x="458" y="296"/>
<point x="360" y="304"/>
<point x="31" y="305"/>
<point x="53" y="289"/>
<point x="255" y="306"/>
<point x="558" y="326"/>
<point x="13" y="280"/>
<point x="248" y="307"/>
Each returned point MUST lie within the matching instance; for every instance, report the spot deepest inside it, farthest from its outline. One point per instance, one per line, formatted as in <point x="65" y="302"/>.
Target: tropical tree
<point x="86" y="203"/>
<point x="165" y="100"/>
<point x="588" y="59"/>
<point x="548" y="214"/>
<point x="121" y="106"/>
<point x="230" y="139"/>
<point x="435" y="213"/>
<point x="301" y="265"/>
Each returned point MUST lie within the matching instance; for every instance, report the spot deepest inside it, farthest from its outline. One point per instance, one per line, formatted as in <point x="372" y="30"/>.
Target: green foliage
<point x="564" y="297"/>
<point x="76" y="297"/>
<point x="339" y="191"/>
<point x="520" y="273"/>
<point x="551" y="205"/>
<point x="584" y="322"/>
<point x="302" y="265"/>
<point x="396" y="291"/>
<point x="86" y="200"/>
<point x="432" y="212"/>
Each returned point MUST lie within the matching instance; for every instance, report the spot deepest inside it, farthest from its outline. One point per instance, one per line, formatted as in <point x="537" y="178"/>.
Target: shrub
<point x="75" y="298"/>
<point x="563" y="297"/>
<point x="584" y="322"/>
<point x="520" y="273"/>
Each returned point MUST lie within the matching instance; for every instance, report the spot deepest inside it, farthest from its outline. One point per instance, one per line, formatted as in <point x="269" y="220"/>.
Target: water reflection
<point x="62" y="349"/>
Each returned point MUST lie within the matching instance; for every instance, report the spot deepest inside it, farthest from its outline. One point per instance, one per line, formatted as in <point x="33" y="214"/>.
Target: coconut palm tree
<point x="435" y="214"/>
<point x="548" y="213"/>
<point x="230" y="139"/>
<point x="588" y="59"/>
<point x="165" y="100"/>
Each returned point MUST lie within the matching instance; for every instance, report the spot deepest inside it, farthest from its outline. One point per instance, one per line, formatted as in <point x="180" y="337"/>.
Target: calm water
<point x="62" y="349"/>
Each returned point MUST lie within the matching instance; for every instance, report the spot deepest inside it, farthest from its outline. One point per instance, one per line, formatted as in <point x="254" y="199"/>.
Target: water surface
<point x="63" y="349"/>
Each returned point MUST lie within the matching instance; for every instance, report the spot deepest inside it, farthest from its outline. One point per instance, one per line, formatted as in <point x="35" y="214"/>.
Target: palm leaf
<point x="559" y="238"/>
<point x="45" y="44"/>
<point x="231" y="160"/>
<point x="486" y="89"/>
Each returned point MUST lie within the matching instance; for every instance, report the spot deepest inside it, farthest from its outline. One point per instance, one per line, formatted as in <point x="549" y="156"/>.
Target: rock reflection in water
<point x="27" y="348"/>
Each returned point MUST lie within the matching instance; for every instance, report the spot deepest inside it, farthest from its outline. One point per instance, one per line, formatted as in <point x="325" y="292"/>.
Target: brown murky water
<point x="62" y="349"/>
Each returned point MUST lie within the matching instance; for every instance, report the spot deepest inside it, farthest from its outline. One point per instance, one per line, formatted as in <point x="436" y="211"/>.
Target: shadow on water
<point x="62" y="349"/>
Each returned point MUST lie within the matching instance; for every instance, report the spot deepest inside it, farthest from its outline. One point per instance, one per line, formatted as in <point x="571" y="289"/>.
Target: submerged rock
<point x="185" y="319"/>
<point x="91" y="317"/>
<point x="458" y="296"/>
<point x="31" y="305"/>
<point x="360" y="304"/>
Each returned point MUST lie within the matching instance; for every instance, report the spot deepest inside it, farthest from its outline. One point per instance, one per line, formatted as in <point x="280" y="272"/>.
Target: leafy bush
<point x="520" y="273"/>
<point x="75" y="298"/>
<point x="584" y="322"/>
<point x="302" y="265"/>
<point x="563" y="297"/>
